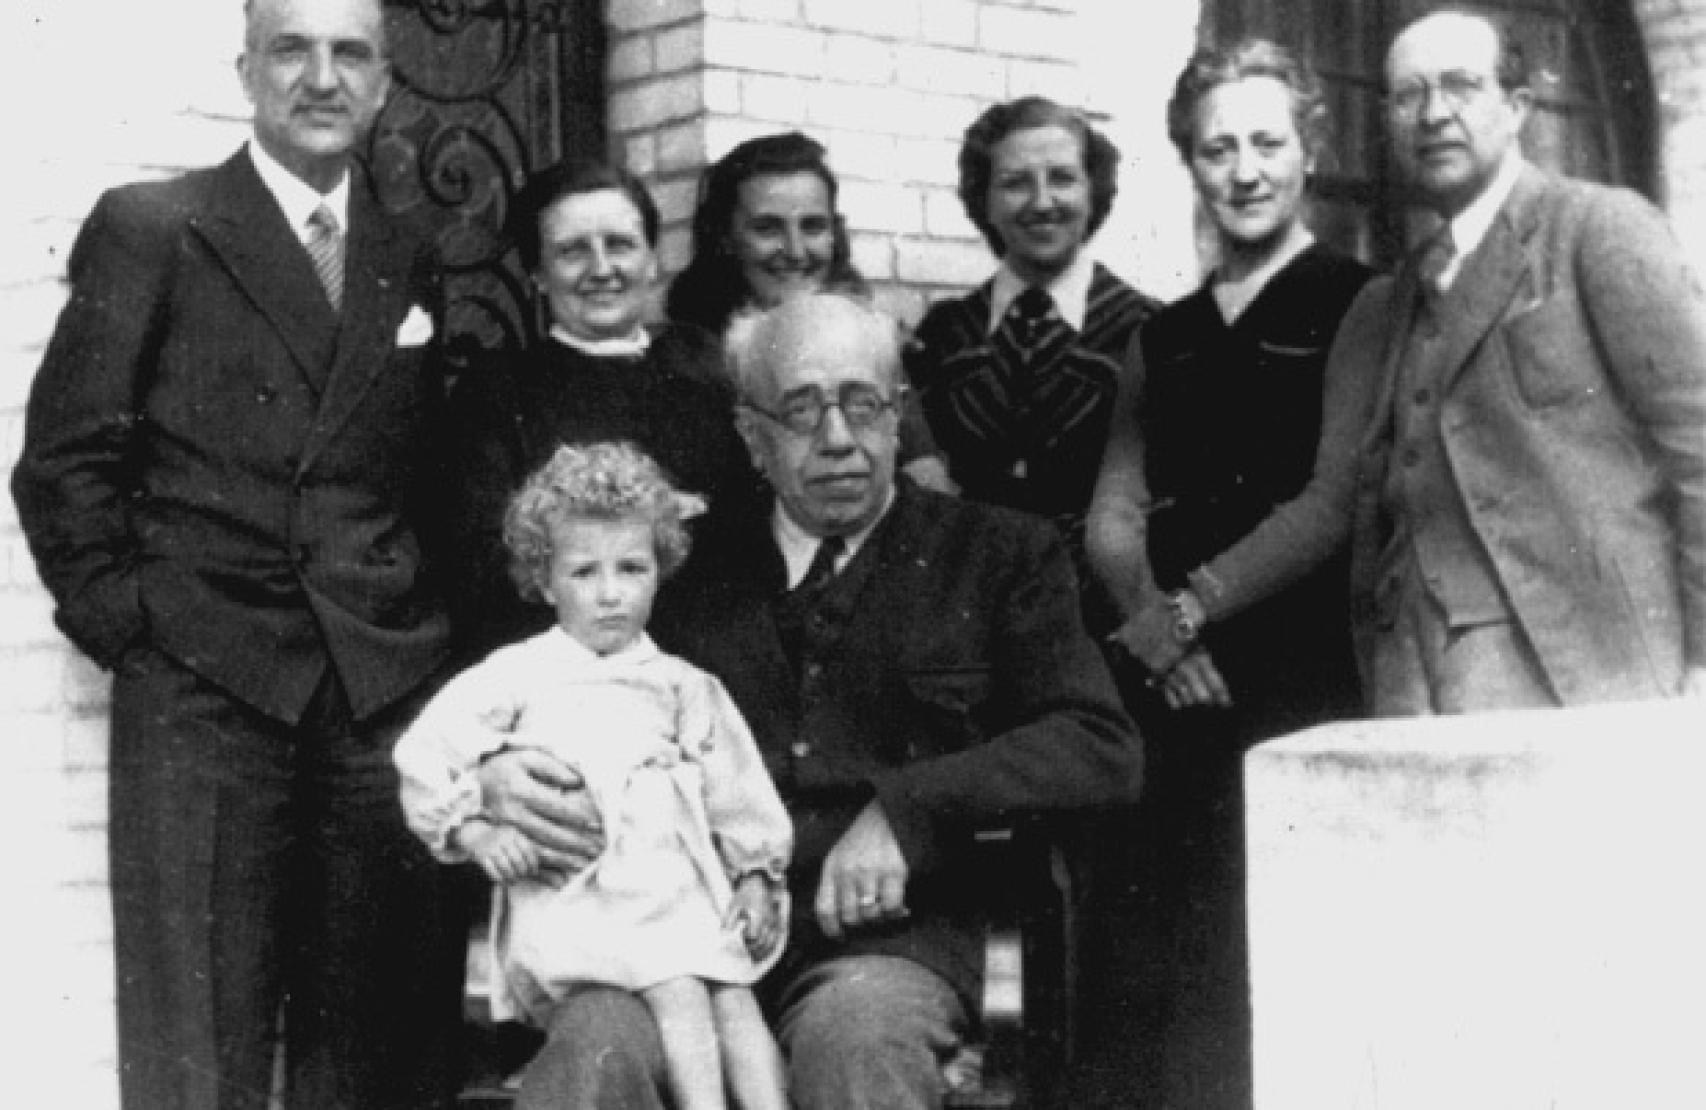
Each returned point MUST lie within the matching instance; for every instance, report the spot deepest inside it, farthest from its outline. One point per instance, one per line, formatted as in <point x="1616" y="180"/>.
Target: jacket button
<point x="303" y="553"/>
<point x="266" y="394"/>
<point x="800" y="749"/>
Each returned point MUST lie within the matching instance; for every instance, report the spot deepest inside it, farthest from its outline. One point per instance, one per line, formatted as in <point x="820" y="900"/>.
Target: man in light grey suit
<point x="1530" y="523"/>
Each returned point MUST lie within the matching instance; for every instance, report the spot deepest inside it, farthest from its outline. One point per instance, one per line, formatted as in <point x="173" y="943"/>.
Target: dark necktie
<point x="822" y="567"/>
<point x="326" y="249"/>
<point x="1028" y="317"/>
<point x="1028" y="327"/>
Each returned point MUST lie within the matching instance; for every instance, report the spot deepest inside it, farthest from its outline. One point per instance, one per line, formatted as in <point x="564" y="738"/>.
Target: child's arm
<point x="757" y="911"/>
<point x="503" y="853"/>
<point x="437" y="756"/>
<point x="749" y="824"/>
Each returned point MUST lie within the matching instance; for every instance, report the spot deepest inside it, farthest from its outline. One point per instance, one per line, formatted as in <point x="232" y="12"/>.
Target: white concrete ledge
<point x="1505" y="911"/>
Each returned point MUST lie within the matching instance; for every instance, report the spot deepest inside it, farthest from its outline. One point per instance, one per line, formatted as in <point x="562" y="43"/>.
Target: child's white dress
<point x="681" y="789"/>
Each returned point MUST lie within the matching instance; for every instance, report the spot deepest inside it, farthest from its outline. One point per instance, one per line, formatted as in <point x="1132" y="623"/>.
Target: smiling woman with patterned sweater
<point x="1018" y="378"/>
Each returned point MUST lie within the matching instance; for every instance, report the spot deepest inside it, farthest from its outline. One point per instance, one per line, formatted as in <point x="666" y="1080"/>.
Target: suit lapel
<point x="245" y="228"/>
<point x="889" y="584"/>
<point x="376" y="290"/>
<point x="1491" y="278"/>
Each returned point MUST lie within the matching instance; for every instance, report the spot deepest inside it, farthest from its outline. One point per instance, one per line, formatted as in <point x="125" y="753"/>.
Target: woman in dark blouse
<point x="587" y="234"/>
<point x="1218" y="526"/>
<point x="1018" y="378"/>
<point x="1222" y="499"/>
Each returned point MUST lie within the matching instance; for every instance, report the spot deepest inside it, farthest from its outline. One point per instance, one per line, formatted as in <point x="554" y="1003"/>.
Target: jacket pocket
<point x="1553" y="359"/>
<point x="951" y="700"/>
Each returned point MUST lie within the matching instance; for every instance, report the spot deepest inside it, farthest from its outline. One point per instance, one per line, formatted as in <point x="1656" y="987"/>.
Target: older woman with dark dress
<point x="1218" y="526"/>
<point x="587" y="235"/>
<point x="1018" y="378"/>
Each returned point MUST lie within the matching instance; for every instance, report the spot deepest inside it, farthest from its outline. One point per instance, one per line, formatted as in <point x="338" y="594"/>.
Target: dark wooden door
<point x="1593" y="118"/>
<point x="484" y="93"/>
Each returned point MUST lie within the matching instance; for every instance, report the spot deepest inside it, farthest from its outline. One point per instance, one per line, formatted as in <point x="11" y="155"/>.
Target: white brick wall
<point x="889" y="87"/>
<point x="102" y="92"/>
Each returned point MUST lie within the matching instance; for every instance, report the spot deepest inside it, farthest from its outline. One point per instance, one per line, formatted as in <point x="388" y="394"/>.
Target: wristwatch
<point x="1188" y="613"/>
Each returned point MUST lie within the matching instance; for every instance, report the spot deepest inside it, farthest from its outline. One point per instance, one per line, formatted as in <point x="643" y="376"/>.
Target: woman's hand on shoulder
<point x="931" y="472"/>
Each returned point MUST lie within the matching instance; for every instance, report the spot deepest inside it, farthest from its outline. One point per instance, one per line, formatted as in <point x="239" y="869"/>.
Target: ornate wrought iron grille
<point x="484" y="92"/>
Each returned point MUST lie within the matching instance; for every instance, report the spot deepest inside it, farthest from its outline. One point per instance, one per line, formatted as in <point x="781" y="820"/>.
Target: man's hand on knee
<point x="864" y="876"/>
<point x="545" y="799"/>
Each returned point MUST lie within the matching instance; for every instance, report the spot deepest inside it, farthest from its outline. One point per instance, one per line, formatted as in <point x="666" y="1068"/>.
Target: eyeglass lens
<point x="860" y="404"/>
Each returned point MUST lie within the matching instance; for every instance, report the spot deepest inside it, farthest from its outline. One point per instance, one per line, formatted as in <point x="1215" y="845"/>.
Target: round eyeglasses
<point x="802" y="410"/>
<point x="1456" y="87"/>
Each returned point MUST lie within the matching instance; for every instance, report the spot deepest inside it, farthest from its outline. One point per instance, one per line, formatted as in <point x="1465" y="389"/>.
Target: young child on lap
<point x="686" y="904"/>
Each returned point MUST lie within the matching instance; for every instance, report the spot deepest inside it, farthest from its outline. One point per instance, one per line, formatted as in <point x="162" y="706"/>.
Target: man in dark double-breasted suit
<point x="1530" y="526"/>
<point x="219" y="483"/>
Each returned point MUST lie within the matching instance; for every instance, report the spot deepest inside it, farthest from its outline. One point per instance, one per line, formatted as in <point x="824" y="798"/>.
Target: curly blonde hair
<point x="595" y="481"/>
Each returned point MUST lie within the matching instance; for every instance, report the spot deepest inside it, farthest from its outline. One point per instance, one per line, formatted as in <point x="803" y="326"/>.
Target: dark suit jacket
<point x="962" y="693"/>
<point x="215" y="465"/>
<point x="1574" y="425"/>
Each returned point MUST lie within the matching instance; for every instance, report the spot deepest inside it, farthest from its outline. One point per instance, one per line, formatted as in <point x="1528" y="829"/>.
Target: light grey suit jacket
<point x="1573" y="420"/>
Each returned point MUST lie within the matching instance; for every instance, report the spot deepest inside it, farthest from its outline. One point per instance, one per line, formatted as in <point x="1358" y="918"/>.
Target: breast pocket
<point x="1553" y="360"/>
<point x="951" y="702"/>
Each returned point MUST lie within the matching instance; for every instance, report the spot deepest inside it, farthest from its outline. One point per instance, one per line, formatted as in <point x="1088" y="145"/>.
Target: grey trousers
<point x="1424" y="665"/>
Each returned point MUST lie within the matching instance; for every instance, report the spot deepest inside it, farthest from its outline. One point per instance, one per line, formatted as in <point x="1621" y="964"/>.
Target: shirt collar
<point x="1471" y="225"/>
<point x="1070" y="290"/>
<point x="622" y="346"/>
<point x="296" y="197"/>
<point x="640" y="651"/>
<point x="799" y="546"/>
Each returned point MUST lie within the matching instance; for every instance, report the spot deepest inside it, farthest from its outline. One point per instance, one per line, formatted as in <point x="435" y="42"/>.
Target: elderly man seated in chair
<point x="914" y="669"/>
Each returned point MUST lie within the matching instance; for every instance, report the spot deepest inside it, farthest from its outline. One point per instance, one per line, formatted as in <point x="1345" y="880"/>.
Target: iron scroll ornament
<point x="483" y="93"/>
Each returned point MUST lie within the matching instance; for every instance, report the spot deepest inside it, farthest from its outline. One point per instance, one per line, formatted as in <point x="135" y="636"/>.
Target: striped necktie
<point x="326" y="249"/>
